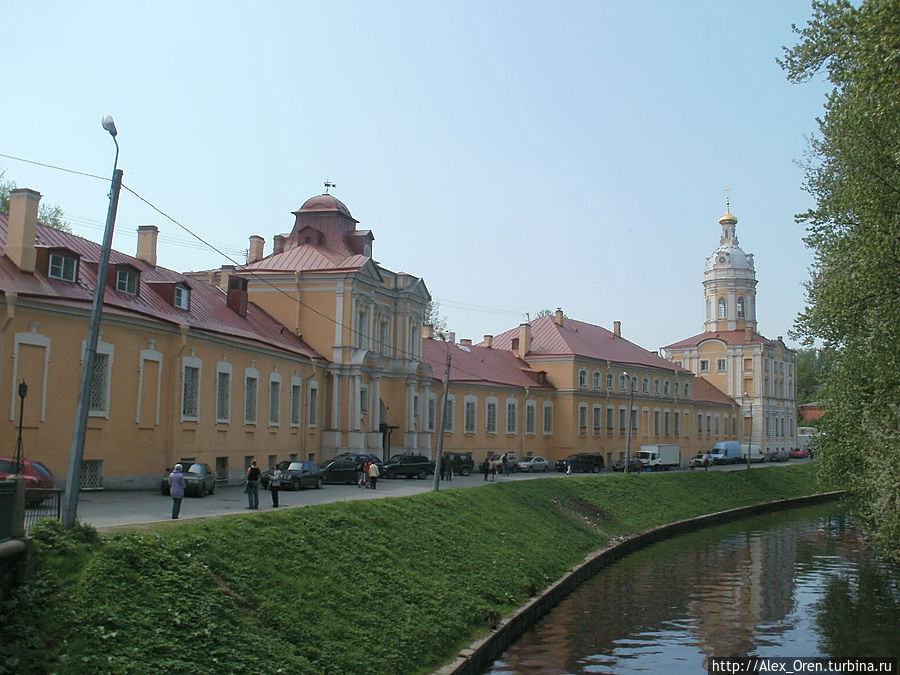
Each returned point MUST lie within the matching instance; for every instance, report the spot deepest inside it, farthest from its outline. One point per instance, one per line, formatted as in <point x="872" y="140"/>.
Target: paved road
<point x="117" y="508"/>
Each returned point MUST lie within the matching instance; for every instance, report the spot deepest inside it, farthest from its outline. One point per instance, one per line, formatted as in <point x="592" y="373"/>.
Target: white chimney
<point x="256" y="248"/>
<point x="147" y="238"/>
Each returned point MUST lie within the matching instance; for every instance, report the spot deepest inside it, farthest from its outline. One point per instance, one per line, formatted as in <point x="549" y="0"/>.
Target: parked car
<point x="199" y="480"/>
<point x="586" y="462"/>
<point x="462" y="463"/>
<point x="296" y="475"/>
<point x="408" y="466"/>
<point x="341" y="470"/>
<point x="777" y="456"/>
<point x="533" y="464"/>
<point x="700" y="458"/>
<point x="39" y="480"/>
<point x="354" y="456"/>
<point x="798" y="453"/>
<point x="634" y="465"/>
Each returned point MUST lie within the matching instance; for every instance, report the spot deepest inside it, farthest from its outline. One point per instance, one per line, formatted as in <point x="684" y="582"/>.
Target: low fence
<point x="48" y="507"/>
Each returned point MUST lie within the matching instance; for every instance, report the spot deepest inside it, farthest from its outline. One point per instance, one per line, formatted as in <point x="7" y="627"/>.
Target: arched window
<point x="740" y="307"/>
<point x="722" y="313"/>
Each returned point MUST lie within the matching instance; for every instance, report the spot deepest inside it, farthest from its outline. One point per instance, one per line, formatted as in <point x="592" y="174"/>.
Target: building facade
<point x="731" y="355"/>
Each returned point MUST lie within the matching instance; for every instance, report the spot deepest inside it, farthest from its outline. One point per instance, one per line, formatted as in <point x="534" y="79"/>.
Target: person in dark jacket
<point x="252" y="488"/>
<point x="275" y="485"/>
<point x="176" y="489"/>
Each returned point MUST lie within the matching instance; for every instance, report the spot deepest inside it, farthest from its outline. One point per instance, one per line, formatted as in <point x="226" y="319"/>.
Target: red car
<point x="39" y="480"/>
<point x="798" y="453"/>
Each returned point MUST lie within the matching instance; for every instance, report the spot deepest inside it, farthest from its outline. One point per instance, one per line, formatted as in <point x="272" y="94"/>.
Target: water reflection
<point x="800" y="583"/>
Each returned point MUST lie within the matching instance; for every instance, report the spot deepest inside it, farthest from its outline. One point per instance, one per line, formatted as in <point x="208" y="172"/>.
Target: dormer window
<point x="62" y="267"/>
<point x="182" y="297"/>
<point x="127" y="280"/>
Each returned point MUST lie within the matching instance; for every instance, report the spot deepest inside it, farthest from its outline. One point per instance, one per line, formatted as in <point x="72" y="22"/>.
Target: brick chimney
<point x="489" y="341"/>
<point x="147" y="238"/>
<point x="256" y="248"/>
<point x="524" y="339"/>
<point x="466" y="342"/>
<point x="237" y="295"/>
<point x="427" y="331"/>
<point x="278" y="243"/>
<point x="558" y="317"/>
<point x="617" y="328"/>
<point x="23" y="210"/>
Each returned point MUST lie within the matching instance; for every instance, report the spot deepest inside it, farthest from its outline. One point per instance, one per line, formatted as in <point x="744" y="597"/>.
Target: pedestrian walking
<point x="176" y="489"/>
<point x="494" y="470"/>
<point x="361" y="472"/>
<point x="373" y="474"/>
<point x="505" y="465"/>
<point x="275" y="485"/>
<point x="706" y="463"/>
<point x="446" y="468"/>
<point x="366" y="468"/>
<point x="569" y="463"/>
<point x="252" y="485"/>
<point x="486" y="468"/>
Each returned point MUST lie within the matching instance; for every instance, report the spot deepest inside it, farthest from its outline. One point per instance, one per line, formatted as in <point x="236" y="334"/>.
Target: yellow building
<point x="732" y="356"/>
<point x="321" y="282"/>
<point x="556" y="386"/>
<point x="184" y="371"/>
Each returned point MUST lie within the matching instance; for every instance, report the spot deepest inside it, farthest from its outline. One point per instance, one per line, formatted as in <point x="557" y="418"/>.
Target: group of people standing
<point x="367" y="473"/>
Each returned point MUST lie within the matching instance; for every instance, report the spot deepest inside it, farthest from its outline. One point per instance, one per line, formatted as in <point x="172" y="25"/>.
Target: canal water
<point x="797" y="583"/>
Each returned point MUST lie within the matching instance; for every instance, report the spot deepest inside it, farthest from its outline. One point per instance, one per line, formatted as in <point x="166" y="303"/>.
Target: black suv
<point x="461" y="462"/>
<point x="585" y="462"/>
<point x="408" y="466"/>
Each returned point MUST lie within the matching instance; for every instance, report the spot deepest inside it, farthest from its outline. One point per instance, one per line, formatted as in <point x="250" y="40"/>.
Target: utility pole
<point x="440" y="447"/>
<point x="73" y="482"/>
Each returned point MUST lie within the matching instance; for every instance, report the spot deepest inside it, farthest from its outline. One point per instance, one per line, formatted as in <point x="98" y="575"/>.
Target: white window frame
<point x="62" y="267"/>
<point x="182" y="299"/>
<point x="312" y="416"/>
<point x="582" y="378"/>
<point x="193" y="363"/>
<point x="597" y="379"/>
<point x="450" y="427"/>
<point x="548" y="418"/>
<point x="582" y="419"/>
<point x="296" y="401"/>
<point x="251" y="398"/>
<point x="597" y="420"/>
<point x="223" y="408"/>
<point x="470" y="422"/>
<point x="530" y="418"/>
<point x="721" y="365"/>
<point x="108" y="352"/>
<point x="275" y="400"/>
<point x="127" y="280"/>
<point x="490" y="415"/>
<point x="512" y="416"/>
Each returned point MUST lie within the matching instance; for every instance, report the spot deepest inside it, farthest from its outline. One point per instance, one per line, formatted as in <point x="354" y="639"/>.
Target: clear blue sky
<point x="516" y="155"/>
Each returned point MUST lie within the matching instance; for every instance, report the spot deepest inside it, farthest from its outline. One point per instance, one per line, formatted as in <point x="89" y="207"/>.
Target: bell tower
<point x="729" y="282"/>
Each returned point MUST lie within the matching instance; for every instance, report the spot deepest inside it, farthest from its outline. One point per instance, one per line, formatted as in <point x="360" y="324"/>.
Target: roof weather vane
<point x="329" y="184"/>
<point x="727" y="192"/>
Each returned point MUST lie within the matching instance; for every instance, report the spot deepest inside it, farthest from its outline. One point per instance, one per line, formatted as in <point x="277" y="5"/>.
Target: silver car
<point x="534" y="464"/>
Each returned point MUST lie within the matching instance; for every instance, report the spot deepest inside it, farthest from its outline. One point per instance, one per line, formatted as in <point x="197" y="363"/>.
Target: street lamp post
<point x="17" y="530"/>
<point x="628" y="421"/>
<point x="73" y="482"/>
<point x="750" y="441"/>
<point x="440" y="447"/>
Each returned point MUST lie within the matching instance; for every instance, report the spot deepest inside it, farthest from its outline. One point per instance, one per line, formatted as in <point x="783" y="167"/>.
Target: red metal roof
<point x="308" y="257"/>
<point x="207" y="312"/>
<point x="704" y="392"/>
<point x="479" y="365"/>
<point x="729" y="337"/>
<point x="580" y="339"/>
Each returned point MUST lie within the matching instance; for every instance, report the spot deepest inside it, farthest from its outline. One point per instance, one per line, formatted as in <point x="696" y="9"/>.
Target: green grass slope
<point x="382" y="586"/>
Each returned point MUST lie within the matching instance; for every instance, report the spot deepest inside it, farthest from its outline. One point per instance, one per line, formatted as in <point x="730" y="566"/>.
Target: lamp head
<point x="109" y="125"/>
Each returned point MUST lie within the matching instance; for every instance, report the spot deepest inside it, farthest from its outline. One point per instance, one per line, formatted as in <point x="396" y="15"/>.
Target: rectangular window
<point x="597" y="419"/>
<point x="634" y="420"/>
<point x="720" y="365"/>
<point x="223" y="396"/>
<point x="582" y="420"/>
<point x="470" y="417"/>
<point x="699" y="423"/>
<point x="98" y="402"/>
<point x="491" y="424"/>
<point x="622" y="420"/>
<point x="708" y="423"/>
<point x="666" y="416"/>
<point x="450" y="414"/>
<point x="274" y="403"/>
<point x="61" y="267"/>
<point x="190" y="403"/>
<point x="361" y="330"/>
<point x="704" y="365"/>
<point x="182" y="297"/>
<point x="295" y="404"/>
<point x="250" y="396"/>
<point x="313" y="416"/>
<point x="432" y="406"/>
<point x="363" y="400"/>
<point x="656" y="422"/>
<point x="127" y="281"/>
<point x="382" y="337"/>
<point x="530" y="413"/>
<point x="677" y="424"/>
<point x="548" y="419"/>
<point x="609" y="380"/>
<point x="748" y="364"/>
<point x="717" y="425"/>
<point x="512" y="417"/>
<point x="610" y="423"/>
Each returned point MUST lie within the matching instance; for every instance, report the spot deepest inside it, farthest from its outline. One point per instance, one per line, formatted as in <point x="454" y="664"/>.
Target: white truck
<point x="660" y="457"/>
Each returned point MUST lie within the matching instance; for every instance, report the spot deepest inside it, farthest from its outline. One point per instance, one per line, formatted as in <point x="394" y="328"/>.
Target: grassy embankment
<point x="386" y="586"/>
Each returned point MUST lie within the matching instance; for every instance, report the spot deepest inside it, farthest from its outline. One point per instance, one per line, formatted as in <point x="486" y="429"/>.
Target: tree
<point x="812" y="367"/>
<point x="50" y="215"/>
<point x="434" y="317"/>
<point x="853" y="294"/>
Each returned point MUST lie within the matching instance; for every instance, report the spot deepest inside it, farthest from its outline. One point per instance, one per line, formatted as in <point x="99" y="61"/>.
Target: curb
<point x="480" y="654"/>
